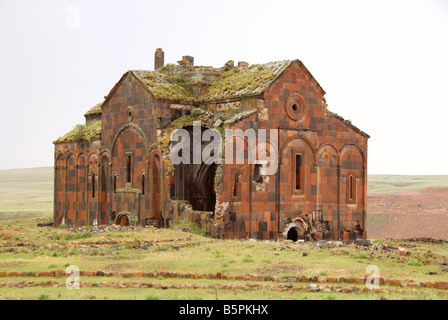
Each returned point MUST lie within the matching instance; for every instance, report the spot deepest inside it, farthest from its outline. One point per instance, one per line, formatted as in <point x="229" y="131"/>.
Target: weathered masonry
<point x="116" y="168"/>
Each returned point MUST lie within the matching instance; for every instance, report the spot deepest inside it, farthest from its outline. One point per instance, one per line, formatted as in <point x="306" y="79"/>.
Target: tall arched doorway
<point x="204" y="196"/>
<point x="195" y="182"/>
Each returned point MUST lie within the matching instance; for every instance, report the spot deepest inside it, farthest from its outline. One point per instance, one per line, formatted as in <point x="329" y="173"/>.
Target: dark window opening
<point x="115" y="184"/>
<point x="143" y="184"/>
<point x="294" y="107"/>
<point x="93" y="185"/>
<point x="298" y="170"/>
<point x="257" y="175"/>
<point x="351" y="188"/>
<point x="235" y="187"/>
<point x="128" y="169"/>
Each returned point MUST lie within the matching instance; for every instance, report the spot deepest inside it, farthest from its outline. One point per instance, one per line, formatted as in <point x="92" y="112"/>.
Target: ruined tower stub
<point x="159" y="58"/>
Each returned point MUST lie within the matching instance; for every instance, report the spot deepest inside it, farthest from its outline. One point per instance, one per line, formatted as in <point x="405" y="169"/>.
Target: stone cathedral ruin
<point x="116" y="168"/>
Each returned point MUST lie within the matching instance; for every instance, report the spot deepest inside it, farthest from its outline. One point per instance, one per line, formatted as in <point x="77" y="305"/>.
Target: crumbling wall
<point x="306" y="227"/>
<point x="205" y="220"/>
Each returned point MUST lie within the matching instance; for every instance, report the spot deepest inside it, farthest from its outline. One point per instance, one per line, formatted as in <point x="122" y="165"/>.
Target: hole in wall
<point x="293" y="234"/>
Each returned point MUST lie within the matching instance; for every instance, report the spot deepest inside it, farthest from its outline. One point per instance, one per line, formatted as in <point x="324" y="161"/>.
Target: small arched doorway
<point x="293" y="234"/>
<point x="295" y="231"/>
<point x="123" y="220"/>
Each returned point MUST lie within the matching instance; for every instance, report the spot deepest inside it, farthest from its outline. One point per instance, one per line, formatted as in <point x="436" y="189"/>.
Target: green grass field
<point x="26" y="199"/>
<point x="26" y="248"/>
<point x="26" y="193"/>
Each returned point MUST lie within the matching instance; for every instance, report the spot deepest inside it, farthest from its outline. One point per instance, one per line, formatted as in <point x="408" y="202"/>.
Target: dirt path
<point x="410" y="214"/>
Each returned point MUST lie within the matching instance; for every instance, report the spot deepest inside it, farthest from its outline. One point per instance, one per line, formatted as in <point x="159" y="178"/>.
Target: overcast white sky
<point x="383" y="64"/>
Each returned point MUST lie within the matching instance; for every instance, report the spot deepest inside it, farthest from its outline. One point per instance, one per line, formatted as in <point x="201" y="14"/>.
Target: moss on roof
<point x="164" y="86"/>
<point x="175" y="83"/>
<point x="182" y="122"/>
<point x="245" y="81"/>
<point x="95" y="110"/>
<point x="237" y="117"/>
<point x="83" y="132"/>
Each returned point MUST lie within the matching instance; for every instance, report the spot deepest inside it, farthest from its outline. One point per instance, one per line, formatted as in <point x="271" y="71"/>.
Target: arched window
<point x="351" y="189"/>
<point x="257" y="174"/>
<point x="128" y="169"/>
<point x="298" y="171"/>
<point x="93" y="185"/>
<point x="235" y="186"/>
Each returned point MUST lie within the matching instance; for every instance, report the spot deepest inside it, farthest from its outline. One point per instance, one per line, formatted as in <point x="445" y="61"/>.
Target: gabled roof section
<point x="95" y="110"/>
<point x="245" y="81"/>
<point x="164" y="86"/>
<point x="313" y="80"/>
<point x="82" y="132"/>
<point x="176" y="83"/>
<point x="348" y="123"/>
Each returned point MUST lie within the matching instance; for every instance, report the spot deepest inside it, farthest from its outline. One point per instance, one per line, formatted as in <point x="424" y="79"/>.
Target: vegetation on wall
<point x="244" y="81"/>
<point x="164" y="86"/>
<point x="183" y="122"/>
<point x="95" y="110"/>
<point x="169" y="83"/>
<point x="83" y="132"/>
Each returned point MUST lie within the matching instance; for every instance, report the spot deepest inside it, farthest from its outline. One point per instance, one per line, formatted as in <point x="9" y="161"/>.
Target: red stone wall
<point x="333" y="153"/>
<point x="75" y="166"/>
<point x="82" y="190"/>
<point x="131" y="119"/>
<point x="330" y="150"/>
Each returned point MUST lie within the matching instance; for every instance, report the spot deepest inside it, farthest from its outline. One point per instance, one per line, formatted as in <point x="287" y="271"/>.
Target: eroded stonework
<point x="117" y="168"/>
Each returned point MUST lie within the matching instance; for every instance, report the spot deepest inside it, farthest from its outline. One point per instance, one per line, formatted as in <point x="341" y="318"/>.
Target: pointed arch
<point x="327" y="200"/>
<point x="81" y="212"/>
<point x="305" y="140"/>
<point x="156" y="186"/>
<point x="129" y="126"/>
<point x="353" y="186"/>
<point x="104" y="187"/>
<point x="356" y="146"/>
<point x="59" y="182"/>
<point x="70" y="195"/>
<point x="327" y="146"/>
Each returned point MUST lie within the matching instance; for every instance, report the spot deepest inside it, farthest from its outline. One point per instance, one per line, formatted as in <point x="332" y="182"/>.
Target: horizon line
<point x="371" y="174"/>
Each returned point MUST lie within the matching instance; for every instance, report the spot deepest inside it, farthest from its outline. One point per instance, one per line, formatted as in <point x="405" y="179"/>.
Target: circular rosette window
<point x="130" y="113"/>
<point x="295" y="106"/>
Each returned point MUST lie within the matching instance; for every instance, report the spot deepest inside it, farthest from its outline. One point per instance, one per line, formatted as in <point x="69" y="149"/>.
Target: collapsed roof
<point x="177" y="82"/>
<point x="197" y="85"/>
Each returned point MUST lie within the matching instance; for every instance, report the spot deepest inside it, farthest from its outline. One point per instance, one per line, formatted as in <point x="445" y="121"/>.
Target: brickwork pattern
<point x="324" y="198"/>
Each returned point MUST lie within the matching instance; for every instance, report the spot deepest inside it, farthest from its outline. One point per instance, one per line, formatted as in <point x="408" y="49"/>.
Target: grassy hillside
<point x="26" y="193"/>
<point x="379" y="183"/>
<point x="29" y="192"/>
